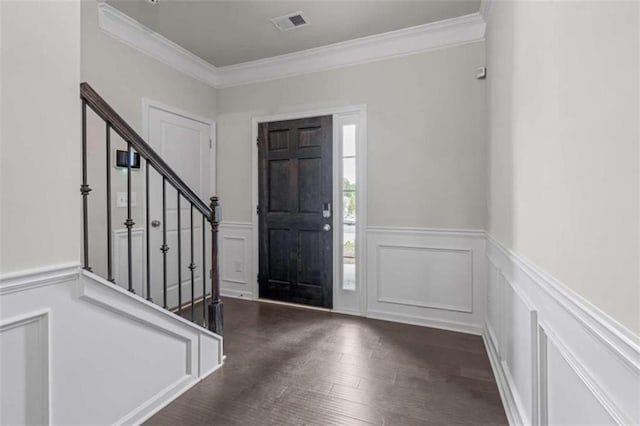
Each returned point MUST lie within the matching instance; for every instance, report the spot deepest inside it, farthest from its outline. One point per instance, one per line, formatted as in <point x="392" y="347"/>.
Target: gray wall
<point x="563" y="97"/>
<point x="426" y="135"/>
<point x="40" y="142"/>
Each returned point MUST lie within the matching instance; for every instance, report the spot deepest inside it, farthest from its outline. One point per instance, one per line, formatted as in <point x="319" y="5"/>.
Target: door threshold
<point x="294" y="305"/>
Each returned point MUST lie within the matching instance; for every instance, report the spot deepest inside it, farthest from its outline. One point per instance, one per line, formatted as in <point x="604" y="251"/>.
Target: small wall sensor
<point x="481" y="73"/>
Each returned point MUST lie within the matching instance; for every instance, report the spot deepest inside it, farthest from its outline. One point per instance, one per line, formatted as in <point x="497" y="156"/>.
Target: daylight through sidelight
<point x="349" y="194"/>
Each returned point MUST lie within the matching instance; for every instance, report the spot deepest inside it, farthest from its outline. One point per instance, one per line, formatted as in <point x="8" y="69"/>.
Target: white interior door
<point x="186" y="145"/>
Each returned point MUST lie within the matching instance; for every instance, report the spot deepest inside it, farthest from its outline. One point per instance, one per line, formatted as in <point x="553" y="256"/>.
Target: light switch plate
<point x="121" y="199"/>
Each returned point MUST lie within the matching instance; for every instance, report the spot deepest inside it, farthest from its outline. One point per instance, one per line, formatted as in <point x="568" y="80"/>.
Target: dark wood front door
<point x="295" y="196"/>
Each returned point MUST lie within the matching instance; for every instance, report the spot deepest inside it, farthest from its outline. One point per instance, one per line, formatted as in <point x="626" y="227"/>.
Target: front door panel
<point x="295" y="192"/>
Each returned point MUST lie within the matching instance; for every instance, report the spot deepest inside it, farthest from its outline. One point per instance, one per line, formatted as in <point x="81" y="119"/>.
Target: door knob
<point x="155" y="223"/>
<point x="326" y="227"/>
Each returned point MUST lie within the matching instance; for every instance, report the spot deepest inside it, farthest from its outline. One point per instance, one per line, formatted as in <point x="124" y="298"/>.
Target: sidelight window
<point x="349" y="199"/>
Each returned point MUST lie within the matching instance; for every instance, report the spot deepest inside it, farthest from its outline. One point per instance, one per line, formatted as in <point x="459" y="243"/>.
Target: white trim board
<point x="39" y="401"/>
<point x="38" y="277"/>
<point x="148" y="103"/>
<point x="422" y="38"/>
<point x="545" y="341"/>
<point x="53" y="297"/>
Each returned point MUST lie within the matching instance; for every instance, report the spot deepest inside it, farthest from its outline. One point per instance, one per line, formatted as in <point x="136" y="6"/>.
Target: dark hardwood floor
<point x="293" y="366"/>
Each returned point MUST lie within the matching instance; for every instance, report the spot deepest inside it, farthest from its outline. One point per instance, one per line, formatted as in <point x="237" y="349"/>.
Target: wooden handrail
<point x="117" y="123"/>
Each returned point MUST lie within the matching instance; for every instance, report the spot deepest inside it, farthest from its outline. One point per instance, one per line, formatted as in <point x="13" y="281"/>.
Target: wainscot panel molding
<point x="237" y="275"/>
<point x="24" y="364"/>
<point x="139" y="257"/>
<point x="34" y="278"/>
<point x="557" y="358"/>
<point x="66" y="320"/>
<point x="430" y="277"/>
<point x="422" y="38"/>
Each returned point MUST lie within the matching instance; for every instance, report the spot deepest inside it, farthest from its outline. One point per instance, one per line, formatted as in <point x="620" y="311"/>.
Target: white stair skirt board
<point x="557" y="359"/>
<point x="77" y="349"/>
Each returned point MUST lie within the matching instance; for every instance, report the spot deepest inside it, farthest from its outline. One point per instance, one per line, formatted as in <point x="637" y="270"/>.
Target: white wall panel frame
<point x="449" y="300"/>
<point x="84" y="321"/>
<point x="37" y="358"/>
<point x="603" y="355"/>
<point x="467" y="289"/>
<point x="236" y="239"/>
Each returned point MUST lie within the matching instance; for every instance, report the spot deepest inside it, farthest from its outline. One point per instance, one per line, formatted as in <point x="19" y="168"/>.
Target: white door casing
<point x="343" y="301"/>
<point x="186" y="143"/>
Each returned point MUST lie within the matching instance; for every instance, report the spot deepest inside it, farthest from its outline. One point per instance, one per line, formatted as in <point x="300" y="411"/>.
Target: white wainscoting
<point x="25" y="365"/>
<point x="237" y="271"/>
<point x="76" y="349"/>
<point x="431" y="277"/>
<point x="138" y="256"/>
<point x="557" y="359"/>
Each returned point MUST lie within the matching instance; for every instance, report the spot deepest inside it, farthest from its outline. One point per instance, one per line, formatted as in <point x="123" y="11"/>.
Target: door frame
<point x="358" y="306"/>
<point x="147" y="104"/>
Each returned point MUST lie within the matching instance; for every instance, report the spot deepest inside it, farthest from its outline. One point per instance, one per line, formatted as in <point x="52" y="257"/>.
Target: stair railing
<point x="212" y="316"/>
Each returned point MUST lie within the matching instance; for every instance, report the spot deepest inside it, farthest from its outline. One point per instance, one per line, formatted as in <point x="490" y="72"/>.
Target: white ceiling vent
<point x="291" y="21"/>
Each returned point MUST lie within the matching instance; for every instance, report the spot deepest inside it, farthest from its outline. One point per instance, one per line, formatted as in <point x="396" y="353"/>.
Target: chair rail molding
<point x="557" y="358"/>
<point x="407" y="41"/>
<point x="38" y="277"/>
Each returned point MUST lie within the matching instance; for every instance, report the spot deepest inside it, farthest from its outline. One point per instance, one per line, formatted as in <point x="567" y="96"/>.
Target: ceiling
<point x="232" y="31"/>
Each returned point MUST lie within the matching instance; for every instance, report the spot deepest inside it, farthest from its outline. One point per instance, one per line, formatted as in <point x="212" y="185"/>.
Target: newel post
<point x="215" y="306"/>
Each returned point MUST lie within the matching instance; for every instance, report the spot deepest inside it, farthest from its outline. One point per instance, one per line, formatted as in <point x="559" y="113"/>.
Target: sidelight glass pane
<point x="349" y="140"/>
<point x="349" y="207"/>
<point x="349" y="173"/>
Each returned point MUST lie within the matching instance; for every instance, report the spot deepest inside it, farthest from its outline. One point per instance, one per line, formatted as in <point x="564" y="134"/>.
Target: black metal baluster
<point x="109" y="265"/>
<point x="179" y="257"/>
<point x="192" y="266"/>
<point x="85" y="189"/>
<point x="147" y="167"/>
<point x="202" y="274"/>
<point x="164" y="249"/>
<point x="129" y="222"/>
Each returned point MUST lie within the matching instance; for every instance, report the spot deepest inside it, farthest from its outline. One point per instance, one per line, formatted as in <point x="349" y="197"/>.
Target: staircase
<point x="204" y="306"/>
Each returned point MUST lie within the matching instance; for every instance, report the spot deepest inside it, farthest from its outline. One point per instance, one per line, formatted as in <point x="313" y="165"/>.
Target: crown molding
<point x="403" y="42"/>
<point x="407" y="41"/>
<point x="132" y="33"/>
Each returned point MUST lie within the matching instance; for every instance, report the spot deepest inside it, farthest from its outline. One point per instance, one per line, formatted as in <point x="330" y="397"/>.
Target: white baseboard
<point x="236" y="294"/>
<point x="162" y="399"/>
<point x="424" y="321"/>
<point x="508" y="401"/>
<point x="557" y="358"/>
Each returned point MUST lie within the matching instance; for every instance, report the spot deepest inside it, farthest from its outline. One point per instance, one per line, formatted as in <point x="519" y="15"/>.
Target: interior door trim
<point x="148" y="104"/>
<point x="361" y="226"/>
